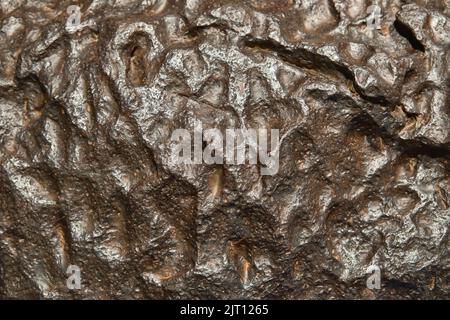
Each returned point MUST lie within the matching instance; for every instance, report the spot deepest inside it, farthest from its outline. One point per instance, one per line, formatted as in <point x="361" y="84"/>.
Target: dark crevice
<point x="306" y="59"/>
<point x="400" y="285"/>
<point x="407" y="33"/>
<point x="415" y="148"/>
<point x="299" y="57"/>
<point x="365" y="124"/>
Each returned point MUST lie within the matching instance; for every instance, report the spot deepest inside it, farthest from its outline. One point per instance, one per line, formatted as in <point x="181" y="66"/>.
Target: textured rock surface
<point x="86" y="176"/>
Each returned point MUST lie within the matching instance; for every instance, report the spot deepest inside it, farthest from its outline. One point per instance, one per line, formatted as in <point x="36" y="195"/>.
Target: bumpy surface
<point x="87" y="178"/>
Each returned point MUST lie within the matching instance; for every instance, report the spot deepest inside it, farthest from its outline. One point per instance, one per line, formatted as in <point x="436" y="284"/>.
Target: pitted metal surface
<point x="87" y="177"/>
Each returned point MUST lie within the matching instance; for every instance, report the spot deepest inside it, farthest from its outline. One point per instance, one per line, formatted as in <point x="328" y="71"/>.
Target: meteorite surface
<point x="91" y="92"/>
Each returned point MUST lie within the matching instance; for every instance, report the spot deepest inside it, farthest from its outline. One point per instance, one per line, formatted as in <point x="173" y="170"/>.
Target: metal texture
<point x="87" y="177"/>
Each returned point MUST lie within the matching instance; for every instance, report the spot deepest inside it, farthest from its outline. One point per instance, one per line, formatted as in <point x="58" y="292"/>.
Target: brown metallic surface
<point x="87" y="179"/>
